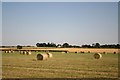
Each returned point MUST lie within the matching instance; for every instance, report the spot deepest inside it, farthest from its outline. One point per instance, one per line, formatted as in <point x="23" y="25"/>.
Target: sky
<point x="0" y="23"/>
<point x="77" y="23"/>
<point x="59" y="0"/>
<point x="119" y="23"/>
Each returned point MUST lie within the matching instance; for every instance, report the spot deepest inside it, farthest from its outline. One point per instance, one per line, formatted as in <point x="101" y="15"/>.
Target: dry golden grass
<point x="69" y="65"/>
<point x="93" y="50"/>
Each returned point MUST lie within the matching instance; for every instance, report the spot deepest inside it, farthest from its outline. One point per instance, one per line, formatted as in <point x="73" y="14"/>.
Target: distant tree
<point x="50" y="45"/>
<point x="59" y="45"/>
<point x="28" y="46"/>
<point x="38" y="44"/>
<point x="46" y="45"/>
<point x="110" y="46"/>
<point x="96" y="45"/>
<point x="19" y="47"/>
<point x="53" y="45"/>
<point x="2" y="46"/>
<point x="86" y="46"/>
<point x="75" y="46"/>
<point x="93" y="45"/>
<point x="118" y="46"/>
<point x="65" y="45"/>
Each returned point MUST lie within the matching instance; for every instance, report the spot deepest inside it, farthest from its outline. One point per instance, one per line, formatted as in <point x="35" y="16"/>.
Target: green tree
<point x="65" y="45"/>
<point x="96" y="45"/>
<point x="19" y="47"/>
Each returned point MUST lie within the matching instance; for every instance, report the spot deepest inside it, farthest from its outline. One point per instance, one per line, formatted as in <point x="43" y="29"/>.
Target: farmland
<point x="62" y="65"/>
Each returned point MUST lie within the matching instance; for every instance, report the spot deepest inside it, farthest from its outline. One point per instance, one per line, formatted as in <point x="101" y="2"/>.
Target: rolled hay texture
<point x="9" y="51"/>
<point x="42" y="56"/>
<point x="24" y="52"/>
<point x="62" y="52"/>
<point x="6" y="51"/>
<point x="21" y="52"/>
<point x="97" y="56"/>
<point x="49" y="55"/>
<point x="12" y="51"/>
<point x="28" y="53"/>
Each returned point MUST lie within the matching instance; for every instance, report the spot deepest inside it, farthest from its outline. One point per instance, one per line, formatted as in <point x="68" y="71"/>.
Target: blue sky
<point x="76" y="23"/>
<point x="0" y="23"/>
<point x="60" y="0"/>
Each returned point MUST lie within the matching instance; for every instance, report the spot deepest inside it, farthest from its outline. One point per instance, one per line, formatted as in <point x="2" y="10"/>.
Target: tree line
<point x="67" y="45"/>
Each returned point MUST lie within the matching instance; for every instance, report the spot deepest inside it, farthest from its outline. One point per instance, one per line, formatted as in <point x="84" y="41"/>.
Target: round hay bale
<point x="12" y="51"/>
<point x="49" y="55"/>
<point x="28" y="53"/>
<point x="42" y="56"/>
<point x="82" y="52"/>
<point x="114" y="52"/>
<point x="97" y="56"/>
<point x="62" y="52"/>
<point x="66" y="52"/>
<point x="24" y="52"/>
<point x="21" y="52"/>
<point x="76" y="52"/>
<point x="104" y="53"/>
<point x="6" y="51"/>
<point x="88" y="51"/>
<point x="9" y="51"/>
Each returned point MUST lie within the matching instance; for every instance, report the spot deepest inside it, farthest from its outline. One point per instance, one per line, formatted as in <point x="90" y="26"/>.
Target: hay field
<point x="61" y="65"/>
<point x="100" y="50"/>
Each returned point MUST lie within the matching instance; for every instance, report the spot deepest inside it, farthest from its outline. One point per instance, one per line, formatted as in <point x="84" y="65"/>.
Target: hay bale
<point x="114" y="52"/>
<point x="12" y="51"/>
<point x="62" y="52"/>
<point x="9" y="51"/>
<point x="104" y="53"/>
<point x="28" y="53"/>
<point x="97" y="56"/>
<point x="88" y="51"/>
<point x="66" y="52"/>
<point x="42" y="56"/>
<point x="76" y="52"/>
<point x="21" y="52"/>
<point x="24" y="52"/>
<point x="82" y="52"/>
<point x="49" y="55"/>
<point x="6" y="51"/>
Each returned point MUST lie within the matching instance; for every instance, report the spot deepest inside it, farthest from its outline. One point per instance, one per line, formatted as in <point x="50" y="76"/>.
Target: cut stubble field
<point x="61" y="65"/>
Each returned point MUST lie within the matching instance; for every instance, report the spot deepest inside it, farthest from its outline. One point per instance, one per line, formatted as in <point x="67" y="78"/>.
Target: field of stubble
<point x="61" y="65"/>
